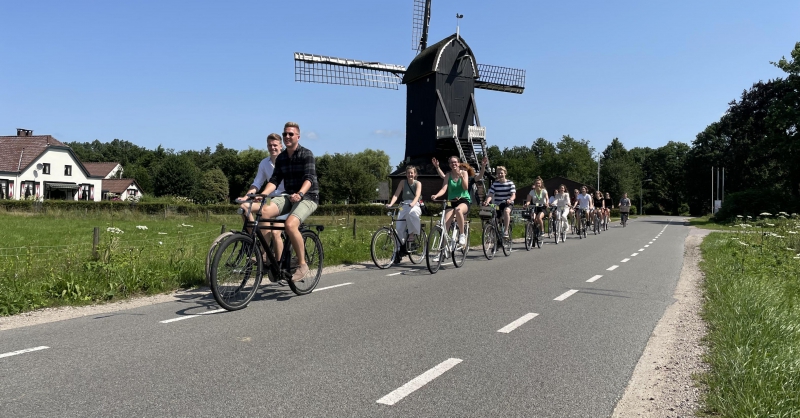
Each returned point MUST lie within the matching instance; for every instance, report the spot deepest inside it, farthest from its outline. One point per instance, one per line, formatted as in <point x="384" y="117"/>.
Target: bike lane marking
<point x="516" y="324"/>
<point x="612" y="268"/>
<point x="594" y="278"/>
<point x="400" y="272"/>
<point x="645" y="246"/>
<point x="418" y="382"/>
<point x="566" y="295"/>
<point x="625" y="260"/>
<point x="331" y="287"/>
<point x="641" y="249"/>
<point x="634" y="254"/>
<point x="181" y="318"/>
<point x="27" y="350"/>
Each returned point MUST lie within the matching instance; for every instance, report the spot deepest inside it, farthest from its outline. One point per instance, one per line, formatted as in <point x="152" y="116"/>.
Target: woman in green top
<point x="456" y="185"/>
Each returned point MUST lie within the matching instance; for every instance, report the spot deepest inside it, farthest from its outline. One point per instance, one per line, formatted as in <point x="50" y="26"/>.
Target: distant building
<point x="121" y="189"/>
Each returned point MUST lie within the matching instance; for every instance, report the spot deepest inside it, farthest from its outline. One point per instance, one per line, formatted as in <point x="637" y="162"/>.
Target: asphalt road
<point x="380" y="344"/>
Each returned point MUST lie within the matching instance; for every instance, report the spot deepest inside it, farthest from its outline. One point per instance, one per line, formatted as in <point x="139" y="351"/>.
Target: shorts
<point x="539" y="209"/>
<point x="455" y="203"/>
<point x="300" y="210"/>
<point x="501" y="207"/>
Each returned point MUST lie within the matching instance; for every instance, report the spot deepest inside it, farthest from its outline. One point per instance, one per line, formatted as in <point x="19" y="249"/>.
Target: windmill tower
<point x="441" y="112"/>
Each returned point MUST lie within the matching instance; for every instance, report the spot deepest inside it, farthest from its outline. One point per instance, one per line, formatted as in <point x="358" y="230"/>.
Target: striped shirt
<point x="501" y="192"/>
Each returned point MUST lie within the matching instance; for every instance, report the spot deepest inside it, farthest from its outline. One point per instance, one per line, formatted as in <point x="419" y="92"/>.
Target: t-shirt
<point x="584" y="200"/>
<point x="265" y="170"/>
<point x="624" y="205"/>
<point x="537" y="198"/>
<point x="502" y="191"/>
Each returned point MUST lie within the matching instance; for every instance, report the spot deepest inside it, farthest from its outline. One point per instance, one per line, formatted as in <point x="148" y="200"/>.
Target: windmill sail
<point x="492" y="77"/>
<point x="419" y="25"/>
<point x="310" y="68"/>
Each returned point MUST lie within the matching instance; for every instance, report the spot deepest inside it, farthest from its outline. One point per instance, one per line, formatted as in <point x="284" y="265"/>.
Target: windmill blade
<point x="492" y="77"/>
<point x="419" y="25"/>
<point x="310" y="68"/>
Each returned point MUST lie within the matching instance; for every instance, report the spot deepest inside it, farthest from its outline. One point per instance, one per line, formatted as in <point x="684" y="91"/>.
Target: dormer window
<point x="46" y="168"/>
<point x="67" y="170"/>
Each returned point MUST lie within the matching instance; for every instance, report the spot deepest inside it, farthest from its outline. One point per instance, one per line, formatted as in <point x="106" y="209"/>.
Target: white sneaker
<point x="462" y="240"/>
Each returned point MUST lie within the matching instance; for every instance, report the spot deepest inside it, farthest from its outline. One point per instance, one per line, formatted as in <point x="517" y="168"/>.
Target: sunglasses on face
<point x="289" y="134"/>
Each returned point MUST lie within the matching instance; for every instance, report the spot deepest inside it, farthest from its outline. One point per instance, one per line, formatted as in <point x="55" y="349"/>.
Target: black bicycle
<point x="532" y="231"/>
<point x="237" y="267"/>
<point x="494" y="232"/>
<point x="387" y="248"/>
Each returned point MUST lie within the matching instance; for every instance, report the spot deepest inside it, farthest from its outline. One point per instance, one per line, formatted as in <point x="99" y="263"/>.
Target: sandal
<point x="300" y="273"/>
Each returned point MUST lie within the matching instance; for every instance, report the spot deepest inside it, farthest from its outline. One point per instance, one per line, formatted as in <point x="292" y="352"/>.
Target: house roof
<point x="118" y="186"/>
<point x="18" y="152"/>
<point x="100" y="169"/>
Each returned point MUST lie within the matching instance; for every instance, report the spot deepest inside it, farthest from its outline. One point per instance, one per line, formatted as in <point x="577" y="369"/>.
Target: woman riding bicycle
<point x="538" y="197"/>
<point x="562" y="208"/>
<point x="600" y="206"/>
<point x="503" y="192"/>
<point x="410" y="212"/>
<point x="583" y="205"/>
<point x="609" y="205"/>
<point x="456" y="185"/>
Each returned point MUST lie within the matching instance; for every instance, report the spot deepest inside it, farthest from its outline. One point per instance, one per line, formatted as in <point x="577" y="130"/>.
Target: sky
<point x="193" y="74"/>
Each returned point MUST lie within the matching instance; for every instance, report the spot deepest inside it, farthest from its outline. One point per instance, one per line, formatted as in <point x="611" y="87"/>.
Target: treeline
<point x="223" y="174"/>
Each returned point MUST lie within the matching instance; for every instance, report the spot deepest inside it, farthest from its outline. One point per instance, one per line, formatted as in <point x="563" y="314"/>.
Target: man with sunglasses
<point x="296" y="168"/>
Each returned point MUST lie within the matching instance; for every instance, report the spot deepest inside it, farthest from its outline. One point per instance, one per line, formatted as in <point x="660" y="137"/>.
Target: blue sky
<point x="191" y="74"/>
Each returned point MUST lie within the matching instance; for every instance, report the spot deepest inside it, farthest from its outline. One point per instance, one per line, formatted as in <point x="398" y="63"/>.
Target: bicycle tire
<point x="555" y="229"/>
<point x="211" y="251"/>
<point x="489" y="241"/>
<point x="435" y="253"/>
<point x="460" y="254"/>
<point x="507" y="241"/>
<point x="234" y="277"/>
<point x="528" y="236"/>
<point x="383" y="248"/>
<point x="418" y="254"/>
<point x="314" y="259"/>
<point x="585" y="227"/>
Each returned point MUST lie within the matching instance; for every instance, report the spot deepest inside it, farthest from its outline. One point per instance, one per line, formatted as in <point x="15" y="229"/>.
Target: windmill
<point x="441" y="112"/>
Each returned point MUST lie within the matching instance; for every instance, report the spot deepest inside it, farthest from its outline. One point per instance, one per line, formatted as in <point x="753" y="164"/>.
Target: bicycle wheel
<point x="556" y="234"/>
<point x="435" y="251"/>
<point x="489" y="240"/>
<point x="507" y="241"/>
<point x="528" y="235"/>
<point x="585" y="227"/>
<point x="212" y="251"/>
<point x="460" y="253"/>
<point x="314" y="258"/>
<point x="418" y="248"/>
<point x="594" y="225"/>
<point x="235" y="272"/>
<point x="384" y="247"/>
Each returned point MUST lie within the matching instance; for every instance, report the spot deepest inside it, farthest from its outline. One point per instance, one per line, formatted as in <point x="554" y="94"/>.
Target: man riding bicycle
<point x="584" y="204"/>
<point x="624" y="209"/>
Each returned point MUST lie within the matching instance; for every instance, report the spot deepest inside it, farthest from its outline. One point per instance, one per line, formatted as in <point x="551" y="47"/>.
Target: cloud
<point x="312" y="135"/>
<point x="388" y="133"/>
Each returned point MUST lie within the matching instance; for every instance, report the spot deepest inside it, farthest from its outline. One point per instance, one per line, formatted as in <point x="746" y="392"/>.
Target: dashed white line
<point x="27" y="350"/>
<point x="625" y="260"/>
<point x="331" y="287"/>
<point x="566" y="295"/>
<point x="634" y="254"/>
<point x="612" y="268"/>
<point x="594" y="278"/>
<point x="645" y="246"/>
<point x="649" y="243"/>
<point x="400" y="272"/>
<point x="181" y="318"/>
<point x="516" y="324"/>
<point x="418" y="382"/>
<point x="641" y="249"/>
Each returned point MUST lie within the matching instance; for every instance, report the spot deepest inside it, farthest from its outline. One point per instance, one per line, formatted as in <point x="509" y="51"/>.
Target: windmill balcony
<point x="476" y="132"/>
<point x="447" y="131"/>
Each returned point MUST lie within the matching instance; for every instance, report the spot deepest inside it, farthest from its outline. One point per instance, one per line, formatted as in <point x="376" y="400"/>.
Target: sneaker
<point x="462" y="240"/>
<point x="435" y="259"/>
<point x="300" y="273"/>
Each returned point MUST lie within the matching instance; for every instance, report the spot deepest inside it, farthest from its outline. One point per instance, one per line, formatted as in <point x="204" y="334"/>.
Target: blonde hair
<point x="412" y="167"/>
<point x="273" y="137"/>
<point x="292" y="125"/>
<point x="503" y="169"/>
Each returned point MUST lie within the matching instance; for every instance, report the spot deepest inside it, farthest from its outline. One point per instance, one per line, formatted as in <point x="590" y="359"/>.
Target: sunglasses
<point x="289" y="134"/>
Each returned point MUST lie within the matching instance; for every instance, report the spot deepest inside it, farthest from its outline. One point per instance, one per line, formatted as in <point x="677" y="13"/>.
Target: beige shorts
<point x="300" y="210"/>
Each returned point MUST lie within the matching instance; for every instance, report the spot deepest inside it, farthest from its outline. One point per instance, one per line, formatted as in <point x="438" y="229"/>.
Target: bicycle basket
<point x="487" y="212"/>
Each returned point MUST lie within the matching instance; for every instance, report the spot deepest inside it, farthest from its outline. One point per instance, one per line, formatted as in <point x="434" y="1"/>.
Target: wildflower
<point x="162" y="233"/>
<point x="114" y="230"/>
<point x="765" y="214"/>
<point x="770" y="224"/>
<point x="187" y="226"/>
<point x="749" y="217"/>
<point x="160" y="243"/>
<point x="739" y="216"/>
<point x="740" y="242"/>
<point x="142" y="227"/>
<point x="783" y="213"/>
<point x="792" y="232"/>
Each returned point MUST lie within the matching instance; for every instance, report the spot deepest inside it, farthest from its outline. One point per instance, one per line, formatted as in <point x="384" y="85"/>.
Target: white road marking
<point x="612" y="268"/>
<point x="646" y="246"/>
<point x="418" y="382"/>
<point x="566" y="295"/>
<point x="634" y="254"/>
<point x="649" y="243"/>
<point x="641" y="249"/>
<point x="27" y="350"/>
<point x="625" y="260"/>
<point x="400" y="272"/>
<point x="181" y="318"/>
<point x="594" y="279"/>
<point x="514" y="325"/>
<point x="331" y="287"/>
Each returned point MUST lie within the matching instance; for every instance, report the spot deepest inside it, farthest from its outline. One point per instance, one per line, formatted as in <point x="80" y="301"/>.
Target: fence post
<point x="95" y="241"/>
<point x="354" y="227"/>
<point x="165" y="211"/>
<point x="207" y="214"/>
<point x="222" y="231"/>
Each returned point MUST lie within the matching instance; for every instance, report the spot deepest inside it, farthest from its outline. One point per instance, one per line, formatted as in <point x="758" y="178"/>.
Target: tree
<point x="176" y="176"/>
<point x="213" y="188"/>
<point x="618" y="172"/>
<point x="342" y="178"/>
<point x="142" y="176"/>
<point x="575" y="160"/>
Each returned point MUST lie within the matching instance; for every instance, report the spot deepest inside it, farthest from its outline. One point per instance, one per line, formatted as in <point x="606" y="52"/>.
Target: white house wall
<point x="58" y="159"/>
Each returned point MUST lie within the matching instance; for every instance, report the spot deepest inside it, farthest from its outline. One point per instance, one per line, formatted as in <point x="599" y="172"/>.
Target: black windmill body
<point x="441" y="112"/>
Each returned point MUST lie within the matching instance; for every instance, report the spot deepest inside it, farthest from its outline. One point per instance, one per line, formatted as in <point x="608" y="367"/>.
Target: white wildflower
<point x="765" y="214"/>
<point x="792" y="232"/>
<point x="783" y="213"/>
<point x="187" y="226"/>
<point x="740" y="242"/>
<point x="160" y="243"/>
<point x="142" y="227"/>
<point x="114" y="230"/>
<point x="739" y="216"/>
<point x="770" y="224"/>
<point x="162" y="233"/>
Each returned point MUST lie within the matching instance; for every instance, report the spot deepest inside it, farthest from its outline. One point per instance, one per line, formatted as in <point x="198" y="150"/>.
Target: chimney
<point x="24" y="132"/>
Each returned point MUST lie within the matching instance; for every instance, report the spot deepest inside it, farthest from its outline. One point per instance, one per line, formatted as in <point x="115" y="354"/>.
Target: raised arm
<point x="435" y="163"/>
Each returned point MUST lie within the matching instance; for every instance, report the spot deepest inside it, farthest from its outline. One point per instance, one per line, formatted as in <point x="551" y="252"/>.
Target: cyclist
<point x="551" y="208"/>
<point x="583" y="205"/>
<point x="600" y="206"/>
<point x="503" y="192"/>
<point x="265" y="169"/>
<point x="624" y="208"/>
<point x="562" y="208"/>
<point x="572" y="210"/>
<point x="296" y="168"/>
<point x="609" y="205"/>
<point x="456" y="185"/>
<point x="473" y="179"/>
<point x="538" y="196"/>
<point x="410" y="213"/>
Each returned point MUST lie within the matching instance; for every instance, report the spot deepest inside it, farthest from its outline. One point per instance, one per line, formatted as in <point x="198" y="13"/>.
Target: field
<point x="49" y="259"/>
<point x="752" y="308"/>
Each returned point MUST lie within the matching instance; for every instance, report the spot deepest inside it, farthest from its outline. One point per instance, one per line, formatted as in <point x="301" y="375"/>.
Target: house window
<point x="85" y="192"/>
<point x="4" y="190"/>
<point x="67" y="170"/>
<point x="27" y="190"/>
<point x="131" y="192"/>
<point x="46" y="168"/>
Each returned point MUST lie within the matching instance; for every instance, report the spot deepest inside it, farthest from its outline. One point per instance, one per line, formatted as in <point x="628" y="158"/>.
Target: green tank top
<point x="455" y="191"/>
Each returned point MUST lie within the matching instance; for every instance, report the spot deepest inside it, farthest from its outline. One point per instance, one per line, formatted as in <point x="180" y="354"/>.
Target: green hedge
<point x="755" y="201"/>
<point x="113" y="206"/>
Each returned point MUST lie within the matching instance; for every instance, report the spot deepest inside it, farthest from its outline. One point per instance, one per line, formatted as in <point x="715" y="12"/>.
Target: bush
<point x="755" y="201"/>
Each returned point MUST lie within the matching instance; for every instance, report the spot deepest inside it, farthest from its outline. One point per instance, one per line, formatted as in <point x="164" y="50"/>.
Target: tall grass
<point x="752" y="307"/>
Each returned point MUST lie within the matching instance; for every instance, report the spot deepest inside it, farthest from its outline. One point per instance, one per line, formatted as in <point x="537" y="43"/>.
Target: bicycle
<point x="237" y="268"/>
<point x="582" y="223"/>
<point x="624" y="218"/>
<point x="444" y="244"/>
<point x="532" y="228"/>
<point x="387" y="248"/>
<point x="559" y="226"/>
<point x="596" y="221"/>
<point x="494" y="232"/>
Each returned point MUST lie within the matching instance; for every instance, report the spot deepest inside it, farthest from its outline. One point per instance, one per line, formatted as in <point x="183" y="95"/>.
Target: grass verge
<point x="752" y="292"/>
